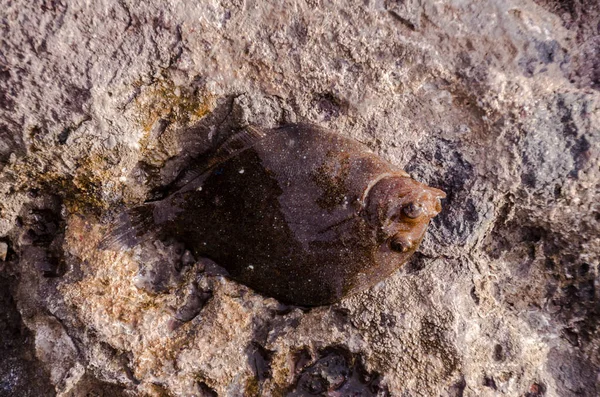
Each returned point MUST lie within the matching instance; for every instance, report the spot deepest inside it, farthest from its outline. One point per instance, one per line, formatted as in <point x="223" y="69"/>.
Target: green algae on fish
<point x="298" y="213"/>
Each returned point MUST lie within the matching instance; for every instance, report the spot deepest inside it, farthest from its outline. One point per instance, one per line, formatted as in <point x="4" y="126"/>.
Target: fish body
<point x="298" y="213"/>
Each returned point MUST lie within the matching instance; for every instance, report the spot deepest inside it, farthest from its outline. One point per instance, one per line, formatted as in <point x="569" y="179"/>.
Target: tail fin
<point x="130" y="228"/>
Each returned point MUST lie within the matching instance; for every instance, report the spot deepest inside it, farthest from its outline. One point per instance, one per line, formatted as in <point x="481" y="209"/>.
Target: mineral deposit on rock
<point x="495" y="102"/>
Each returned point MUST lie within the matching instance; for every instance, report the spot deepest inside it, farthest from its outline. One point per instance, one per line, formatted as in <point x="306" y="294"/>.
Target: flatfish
<point x="298" y="213"/>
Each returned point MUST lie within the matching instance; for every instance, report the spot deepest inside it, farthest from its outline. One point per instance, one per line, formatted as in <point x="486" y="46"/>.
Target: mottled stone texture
<point x="496" y="102"/>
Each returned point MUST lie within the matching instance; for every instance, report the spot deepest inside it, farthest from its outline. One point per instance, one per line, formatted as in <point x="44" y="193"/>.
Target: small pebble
<point x="3" y="251"/>
<point x="111" y="142"/>
<point x="187" y="258"/>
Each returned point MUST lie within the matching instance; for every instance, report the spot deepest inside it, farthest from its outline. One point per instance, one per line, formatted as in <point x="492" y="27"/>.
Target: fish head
<point x="400" y="208"/>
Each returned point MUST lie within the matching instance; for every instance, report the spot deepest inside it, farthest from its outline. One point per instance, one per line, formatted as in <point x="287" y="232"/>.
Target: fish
<point x="298" y="213"/>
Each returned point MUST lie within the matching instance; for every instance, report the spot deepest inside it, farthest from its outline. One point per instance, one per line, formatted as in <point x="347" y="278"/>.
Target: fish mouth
<point x="427" y="197"/>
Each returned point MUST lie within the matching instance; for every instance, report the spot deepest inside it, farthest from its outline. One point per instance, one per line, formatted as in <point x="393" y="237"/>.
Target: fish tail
<point x="130" y="228"/>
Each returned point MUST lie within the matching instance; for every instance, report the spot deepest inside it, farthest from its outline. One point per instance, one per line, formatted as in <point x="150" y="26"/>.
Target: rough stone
<point x="495" y="102"/>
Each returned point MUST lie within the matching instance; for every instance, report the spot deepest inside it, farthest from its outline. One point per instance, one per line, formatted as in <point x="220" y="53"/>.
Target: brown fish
<point x="297" y="213"/>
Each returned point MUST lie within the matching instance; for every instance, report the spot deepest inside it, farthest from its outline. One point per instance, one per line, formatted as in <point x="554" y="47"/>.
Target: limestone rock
<point x="495" y="102"/>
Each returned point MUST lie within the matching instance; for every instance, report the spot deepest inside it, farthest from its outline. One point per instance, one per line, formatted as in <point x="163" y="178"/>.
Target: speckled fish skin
<point x="303" y="215"/>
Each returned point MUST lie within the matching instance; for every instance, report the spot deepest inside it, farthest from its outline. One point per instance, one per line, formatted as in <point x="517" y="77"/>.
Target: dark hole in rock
<point x="557" y="191"/>
<point x="7" y="253"/>
<point x="571" y="336"/>
<point x="488" y="381"/>
<point x="458" y="389"/>
<point x="475" y="296"/>
<point x="416" y="263"/>
<point x="533" y="234"/>
<point x="584" y="268"/>
<point x="63" y="136"/>
<point x="499" y="354"/>
<point x="206" y="391"/>
<point x="342" y="315"/>
<point x="329" y="106"/>
<point x="536" y="390"/>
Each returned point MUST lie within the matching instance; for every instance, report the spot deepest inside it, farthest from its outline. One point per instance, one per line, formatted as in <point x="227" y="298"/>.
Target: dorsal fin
<point x="232" y="146"/>
<point x="139" y="224"/>
<point x="239" y="142"/>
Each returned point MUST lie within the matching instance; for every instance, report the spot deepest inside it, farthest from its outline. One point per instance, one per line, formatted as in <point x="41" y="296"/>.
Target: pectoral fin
<point x="130" y="228"/>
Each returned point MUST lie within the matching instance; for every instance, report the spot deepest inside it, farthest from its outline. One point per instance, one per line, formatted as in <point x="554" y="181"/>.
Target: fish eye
<point x="400" y="244"/>
<point x="413" y="210"/>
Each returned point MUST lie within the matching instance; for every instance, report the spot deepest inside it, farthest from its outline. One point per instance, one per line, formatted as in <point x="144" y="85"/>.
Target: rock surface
<point x="495" y="102"/>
